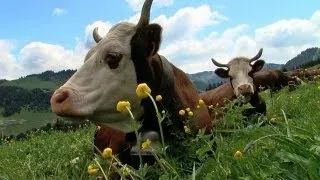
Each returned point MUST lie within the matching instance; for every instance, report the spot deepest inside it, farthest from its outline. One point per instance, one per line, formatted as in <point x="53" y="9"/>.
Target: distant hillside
<point x="309" y="55"/>
<point x="47" y="80"/>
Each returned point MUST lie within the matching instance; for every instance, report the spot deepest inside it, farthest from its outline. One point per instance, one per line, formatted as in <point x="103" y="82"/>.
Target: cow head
<point x="109" y="74"/>
<point x="240" y="71"/>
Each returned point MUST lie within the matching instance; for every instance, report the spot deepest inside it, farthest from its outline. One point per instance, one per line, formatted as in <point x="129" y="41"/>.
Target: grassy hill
<point x="284" y="145"/>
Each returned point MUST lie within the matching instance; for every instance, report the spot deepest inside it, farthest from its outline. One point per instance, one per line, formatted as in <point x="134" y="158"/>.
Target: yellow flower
<point x="91" y="170"/>
<point x="187" y="109"/>
<point x="123" y="105"/>
<point x="186" y="129"/>
<point x="211" y="107"/>
<point x="143" y="90"/>
<point x="107" y="152"/>
<point x="145" y="145"/>
<point x="198" y="106"/>
<point x="158" y="98"/>
<point x="237" y="155"/>
<point x="182" y="112"/>
<point x="190" y="113"/>
<point x="201" y="102"/>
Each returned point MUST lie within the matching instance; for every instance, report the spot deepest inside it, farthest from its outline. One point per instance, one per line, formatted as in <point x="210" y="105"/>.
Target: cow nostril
<point x="61" y="97"/>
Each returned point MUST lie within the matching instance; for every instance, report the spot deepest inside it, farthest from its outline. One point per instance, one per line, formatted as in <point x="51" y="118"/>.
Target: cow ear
<point x="154" y="32"/>
<point x="258" y="65"/>
<point x="222" y="73"/>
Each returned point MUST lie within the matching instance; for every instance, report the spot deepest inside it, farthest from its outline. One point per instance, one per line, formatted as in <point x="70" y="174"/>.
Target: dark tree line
<point x="50" y="75"/>
<point x="13" y="98"/>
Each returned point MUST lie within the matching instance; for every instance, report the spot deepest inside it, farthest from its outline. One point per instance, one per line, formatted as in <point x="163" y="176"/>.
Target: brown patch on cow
<point x="108" y="137"/>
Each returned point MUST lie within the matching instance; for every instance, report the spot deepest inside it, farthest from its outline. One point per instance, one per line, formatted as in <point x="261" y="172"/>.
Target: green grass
<point x="288" y="147"/>
<point x="34" y="82"/>
<point x="26" y="120"/>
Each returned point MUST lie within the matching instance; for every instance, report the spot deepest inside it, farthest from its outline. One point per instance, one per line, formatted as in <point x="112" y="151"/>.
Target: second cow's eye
<point x="113" y="60"/>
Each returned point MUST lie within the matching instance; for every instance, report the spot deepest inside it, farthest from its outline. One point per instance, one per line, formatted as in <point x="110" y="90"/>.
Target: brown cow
<point x="125" y="57"/>
<point x="273" y="79"/>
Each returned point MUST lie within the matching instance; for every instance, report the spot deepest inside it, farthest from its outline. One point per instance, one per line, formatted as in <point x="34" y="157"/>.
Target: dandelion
<point x="237" y="155"/>
<point x="190" y="113"/>
<point x="158" y="98"/>
<point x="91" y="170"/>
<point x="187" y="109"/>
<point x="201" y="102"/>
<point x="143" y="90"/>
<point x="107" y="152"/>
<point x="126" y="171"/>
<point x="123" y="106"/>
<point x="145" y="145"/>
<point x="182" y="112"/>
<point x="187" y="129"/>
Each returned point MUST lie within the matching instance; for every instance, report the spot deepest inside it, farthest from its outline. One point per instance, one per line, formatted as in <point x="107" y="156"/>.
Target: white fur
<point x="96" y="88"/>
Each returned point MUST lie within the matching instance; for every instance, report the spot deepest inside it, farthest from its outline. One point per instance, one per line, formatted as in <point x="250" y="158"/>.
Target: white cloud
<point x="136" y="5"/>
<point x="59" y="12"/>
<point x="188" y="21"/>
<point x="8" y="64"/>
<point x="103" y="28"/>
<point x="38" y="57"/>
<point x="281" y="40"/>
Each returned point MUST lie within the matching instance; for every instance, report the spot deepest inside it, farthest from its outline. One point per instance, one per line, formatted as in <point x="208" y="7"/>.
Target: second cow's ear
<point x="222" y="73"/>
<point x="258" y="65"/>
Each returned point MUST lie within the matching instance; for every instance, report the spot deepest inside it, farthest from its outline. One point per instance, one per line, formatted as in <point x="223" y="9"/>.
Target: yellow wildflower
<point x="187" y="129"/>
<point x="145" y="145"/>
<point x="143" y="90"/>
<point x="158" y="98"/>
<point x="187" y="109"/>
<point x="91" y="170"/>
<point x="237" y="155"/>
<point x="107" y="152"/>
<point x="201" y="102"/>
<point x="190" y="113"/>
<point x="198" y="106"/>
<point x="123" y="105"/>
<point x="182" y="112"/>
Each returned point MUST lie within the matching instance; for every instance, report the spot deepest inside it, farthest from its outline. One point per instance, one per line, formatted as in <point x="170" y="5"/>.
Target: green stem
<point x="137" y="135"/>
<point x="159" y="119"/>
<point x="105" y="176"/>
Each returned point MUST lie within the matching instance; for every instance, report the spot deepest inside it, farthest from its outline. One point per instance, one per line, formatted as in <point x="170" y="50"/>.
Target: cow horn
<point x="145" y="14"/>
<point x="96" y="35"/>
<point x="218" y="64"/>
<point x="257" y="56"/>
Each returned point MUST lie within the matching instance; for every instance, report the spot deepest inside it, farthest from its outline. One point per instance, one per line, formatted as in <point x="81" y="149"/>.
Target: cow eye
<point x="113" y="60"/>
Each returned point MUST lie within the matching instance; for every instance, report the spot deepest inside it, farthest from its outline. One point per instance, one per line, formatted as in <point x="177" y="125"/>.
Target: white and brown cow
<point x="241" y="72"/>
<point x="125" y="57"/>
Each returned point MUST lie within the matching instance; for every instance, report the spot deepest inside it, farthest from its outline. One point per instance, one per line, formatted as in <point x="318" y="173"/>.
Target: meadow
<point x="283" y="145"/>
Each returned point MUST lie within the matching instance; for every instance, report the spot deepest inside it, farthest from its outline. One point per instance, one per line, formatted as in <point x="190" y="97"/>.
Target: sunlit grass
<point x="281" y="146"/>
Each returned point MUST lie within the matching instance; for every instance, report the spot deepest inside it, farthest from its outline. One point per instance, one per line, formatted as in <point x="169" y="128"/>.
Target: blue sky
<point x="35" y="29"/>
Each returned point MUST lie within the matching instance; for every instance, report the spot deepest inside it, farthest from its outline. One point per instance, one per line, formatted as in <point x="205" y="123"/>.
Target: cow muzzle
<point x="245" y="90"/>
<point x="61" y="103"/>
